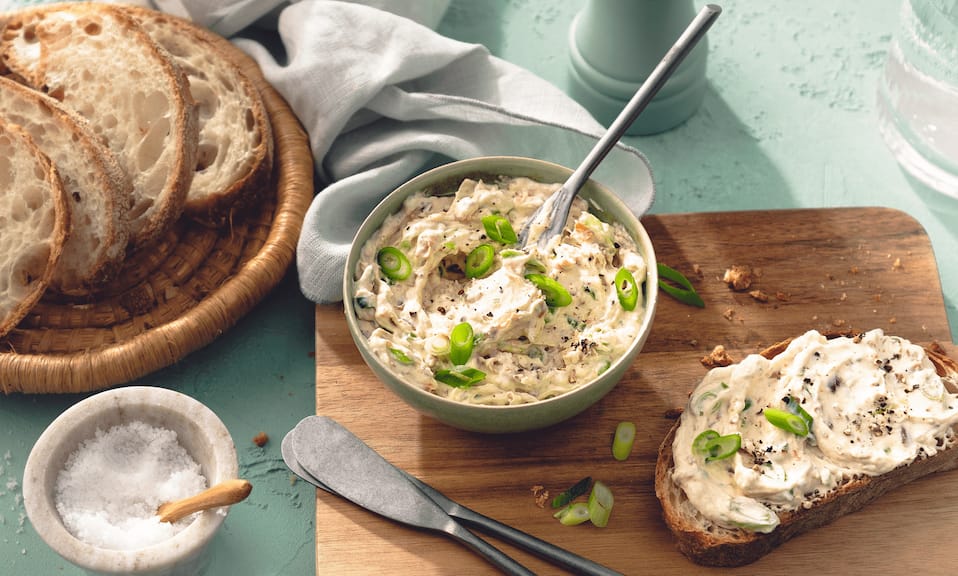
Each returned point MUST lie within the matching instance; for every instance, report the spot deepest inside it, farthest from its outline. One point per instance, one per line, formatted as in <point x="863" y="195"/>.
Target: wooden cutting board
<point x="825" y="269"/>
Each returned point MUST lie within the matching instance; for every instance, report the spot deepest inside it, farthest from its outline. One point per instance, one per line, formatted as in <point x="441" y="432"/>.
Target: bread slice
<point x="98" y="61"/>
<point x="707" y="542"/>
<point x="235" y="153"/>
<point x="98" y="192"/>
<point x="33" y="224"/>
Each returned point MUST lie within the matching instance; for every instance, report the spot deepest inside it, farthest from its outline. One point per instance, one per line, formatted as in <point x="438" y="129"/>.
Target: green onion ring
<point x="479" y="261"/>
<point x="623" y="440"/>
<point x="556" y="295"/>
<point x="573" y="514"/>
<point x="460" y="343"/>
<point x="460" y="376"/>
<point x="626" y="289"/>
<point x="722" y="447"/>
<point x="686" y="294"/>
<point x="702" y="440"/>
<point x="788" y="421"/>
<point x="499" y="229"/>
<point x="600" y="504"/>
<point x="393" y="263"/>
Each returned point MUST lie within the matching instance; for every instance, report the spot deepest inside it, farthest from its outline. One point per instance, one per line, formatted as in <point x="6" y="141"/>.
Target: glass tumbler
<point x="918" y="93"/>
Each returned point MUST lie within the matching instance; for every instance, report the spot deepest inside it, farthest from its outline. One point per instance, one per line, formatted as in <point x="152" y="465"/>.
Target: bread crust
<point x="95" y="184"/>
<point x="719" y="546"/>
<point x="50" y="247"/>
<point x="236" y="182"/>
<point x="50" y="71"/>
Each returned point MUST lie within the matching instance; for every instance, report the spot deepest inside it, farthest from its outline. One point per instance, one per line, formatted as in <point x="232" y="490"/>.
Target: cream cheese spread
<point x="875" y="403"/>
<point x="526" y="349"/>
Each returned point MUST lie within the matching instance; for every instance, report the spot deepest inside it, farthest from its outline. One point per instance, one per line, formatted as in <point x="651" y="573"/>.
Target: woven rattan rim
<point x="196" y="284"/>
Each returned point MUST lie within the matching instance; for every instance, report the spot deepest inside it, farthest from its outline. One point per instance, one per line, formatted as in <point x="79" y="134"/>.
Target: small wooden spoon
<point x="223" y="494"/>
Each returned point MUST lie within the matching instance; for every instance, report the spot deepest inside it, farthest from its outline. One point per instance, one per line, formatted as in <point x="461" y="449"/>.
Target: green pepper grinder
<point x="613" y="47"/>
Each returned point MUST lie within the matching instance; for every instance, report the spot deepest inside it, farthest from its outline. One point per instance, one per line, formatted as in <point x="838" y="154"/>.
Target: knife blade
<point x="350" y="468"/>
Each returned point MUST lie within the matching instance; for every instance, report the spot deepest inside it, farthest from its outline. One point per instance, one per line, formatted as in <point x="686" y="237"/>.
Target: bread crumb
<point x="717" y="357"/>
<point x="759" y="295"/>
<point x="728" y="314"/>
<point x="853" y="270"/>
<point x="893" y="320"/>
<point x="896" y="265"/>
<point x="541" y="495"/>
<point x="783" y="296"/>
<point x="261" y="439"/>
<point x="697" y="270"/>
<point x="838" y="323"/>
<point x="739" y="278"/>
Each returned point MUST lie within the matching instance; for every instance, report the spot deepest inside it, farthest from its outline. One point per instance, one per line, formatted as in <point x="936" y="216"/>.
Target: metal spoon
<point x="550" y="218"/>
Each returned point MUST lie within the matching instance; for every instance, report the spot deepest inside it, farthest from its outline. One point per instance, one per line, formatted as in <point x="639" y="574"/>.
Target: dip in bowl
<point x="466" y="327"/>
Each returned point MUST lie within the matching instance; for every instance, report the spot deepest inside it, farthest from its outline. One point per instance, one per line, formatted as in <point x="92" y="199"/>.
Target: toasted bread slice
<point x="145" y="113"/>
<point x="235" y="153"/>
<point x="709" y="542"/>
<point x="33" y="224"/>
<point x="98" y="192"/>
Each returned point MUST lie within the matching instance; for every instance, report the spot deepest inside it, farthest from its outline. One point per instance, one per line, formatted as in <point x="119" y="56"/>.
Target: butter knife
<point x="543" y="549"/>
<point x="350" y="468"/>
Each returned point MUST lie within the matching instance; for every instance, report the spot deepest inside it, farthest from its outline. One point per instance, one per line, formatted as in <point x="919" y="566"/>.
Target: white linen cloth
<point x="383" y="96"/>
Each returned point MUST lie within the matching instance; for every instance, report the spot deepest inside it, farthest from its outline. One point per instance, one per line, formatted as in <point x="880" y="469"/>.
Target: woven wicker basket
<point x="180" y="295"/>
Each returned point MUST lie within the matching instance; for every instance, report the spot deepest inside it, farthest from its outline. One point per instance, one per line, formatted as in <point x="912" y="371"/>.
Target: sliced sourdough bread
<point x="235" y="151"/>
<point x="142" y="108"/>
<point x="709" y="542"/>
<point x="33" y="224"/>
<point x="98" y="192"/>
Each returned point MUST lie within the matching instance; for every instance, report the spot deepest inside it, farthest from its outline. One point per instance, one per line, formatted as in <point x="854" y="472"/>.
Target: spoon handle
<point x="556" y="208"/>
<point x="223" y="494"/>
<point x="657" y="78"/>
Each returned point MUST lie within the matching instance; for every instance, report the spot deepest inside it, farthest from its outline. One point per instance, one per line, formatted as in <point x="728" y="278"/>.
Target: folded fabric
<point x="383" y="96"/>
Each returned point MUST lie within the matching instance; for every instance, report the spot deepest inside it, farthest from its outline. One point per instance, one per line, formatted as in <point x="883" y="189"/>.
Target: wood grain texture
<point x="845" y="268"/>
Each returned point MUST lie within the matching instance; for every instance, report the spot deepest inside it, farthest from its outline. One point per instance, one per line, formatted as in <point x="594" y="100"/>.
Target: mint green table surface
<point x="789" y="121"/>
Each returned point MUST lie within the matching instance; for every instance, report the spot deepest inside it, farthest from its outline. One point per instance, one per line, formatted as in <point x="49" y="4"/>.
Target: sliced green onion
<point x="534" y="266"/>
<point x="702" y="440"/>
<point x="723" y="447"/>
<point x="787" y="421"/>
<point x="499" y="229"/>
<point x="460" y="376"/>
<point x="626" y="289"/>
<point x="600" y="504"/>
<point x="715" y="447"/>
<point x="573" y="514"/>
<point x="393" y="263"/>
<point x="623" y="440"/>
<point x="437" y="345"/>
<point x="795" y="407"/>
<point x="686" y="294"/>
<point x="460" y="343"/>
<point x="556" y="295"/>
<point x="511" y="253"/>
<point x="400" y="356"/>
<point x="577" y="489"/>
<point x="479" y="261"/>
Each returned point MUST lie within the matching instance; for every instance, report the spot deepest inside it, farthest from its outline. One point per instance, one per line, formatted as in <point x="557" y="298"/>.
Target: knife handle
<point x="496" y="557"/>
<point x="541" y="548"/>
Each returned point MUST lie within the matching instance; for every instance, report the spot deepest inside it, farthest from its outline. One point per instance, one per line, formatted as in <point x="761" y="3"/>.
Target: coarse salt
<point x="108" y="491"/>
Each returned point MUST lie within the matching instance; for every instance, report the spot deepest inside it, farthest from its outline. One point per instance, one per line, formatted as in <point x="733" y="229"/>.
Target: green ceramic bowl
<point x="517" y="418"/>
